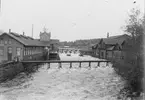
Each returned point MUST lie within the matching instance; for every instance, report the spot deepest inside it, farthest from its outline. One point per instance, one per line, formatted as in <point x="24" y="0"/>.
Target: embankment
<point x="9" y="71"/>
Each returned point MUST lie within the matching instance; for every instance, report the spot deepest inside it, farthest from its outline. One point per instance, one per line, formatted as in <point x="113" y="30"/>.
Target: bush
<point x="132" y="74"/>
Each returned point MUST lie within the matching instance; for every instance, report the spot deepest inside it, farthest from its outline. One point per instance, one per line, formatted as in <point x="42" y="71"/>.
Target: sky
<point x="67" y="20"/>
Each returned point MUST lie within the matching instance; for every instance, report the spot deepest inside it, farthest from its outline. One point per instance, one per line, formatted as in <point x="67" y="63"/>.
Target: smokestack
<point x="23" y="33"/>
<point x="9" y="30"/>
<point x="32" y="30"/>
<point x="108" y="35"/>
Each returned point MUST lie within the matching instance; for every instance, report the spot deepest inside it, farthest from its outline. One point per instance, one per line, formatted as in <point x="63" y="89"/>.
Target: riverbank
<point x="133" y="75"/>
<point x="9" y="71"/>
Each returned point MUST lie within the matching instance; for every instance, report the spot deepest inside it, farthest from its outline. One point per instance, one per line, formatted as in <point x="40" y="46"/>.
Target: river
<point x="85" y="83"/>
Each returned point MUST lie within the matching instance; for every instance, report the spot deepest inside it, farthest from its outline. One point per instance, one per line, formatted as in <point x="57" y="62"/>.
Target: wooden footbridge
<point x="69" y="62"/>
<point x="59" y="62"/>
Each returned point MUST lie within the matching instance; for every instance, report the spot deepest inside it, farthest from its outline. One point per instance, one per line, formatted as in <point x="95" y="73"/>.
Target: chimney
<point x="108" y="35"/>
<point x="9" y="30"/>
<point x="23" y="33"/>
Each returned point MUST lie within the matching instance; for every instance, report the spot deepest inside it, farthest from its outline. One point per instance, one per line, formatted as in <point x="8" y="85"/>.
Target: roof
<point x="116" y="39"/>
<point x="26" y="40"/>
<point x="97" y="42"/>
<point x="110" y="48"/>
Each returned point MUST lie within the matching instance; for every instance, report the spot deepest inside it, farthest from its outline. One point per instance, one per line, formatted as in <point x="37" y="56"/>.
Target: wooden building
<point x="24" y="47"/>
<point x="111" y="47"/>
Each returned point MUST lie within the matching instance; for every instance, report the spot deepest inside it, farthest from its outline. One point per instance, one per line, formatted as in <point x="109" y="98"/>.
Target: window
<point x="1" y="41"/>
<point x="6" y="41"/>
<point x="24" y="51"/>
<point x="28" y="51"/>
<point x="9" y="49"/>
<point x="18" y="51"/>
<point x="1" y="52"/>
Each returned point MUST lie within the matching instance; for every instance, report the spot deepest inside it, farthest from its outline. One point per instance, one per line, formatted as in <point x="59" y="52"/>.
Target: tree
<point x="135" y="24"/>
<point x="132" y="68"/>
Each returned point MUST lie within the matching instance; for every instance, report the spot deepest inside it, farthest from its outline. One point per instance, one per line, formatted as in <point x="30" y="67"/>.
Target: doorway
<point x="9" y="53"/>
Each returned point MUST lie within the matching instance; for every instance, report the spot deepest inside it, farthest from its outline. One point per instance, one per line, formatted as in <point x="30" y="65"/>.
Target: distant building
<point x="44" y="36"/>
<point x="14" y="45"/>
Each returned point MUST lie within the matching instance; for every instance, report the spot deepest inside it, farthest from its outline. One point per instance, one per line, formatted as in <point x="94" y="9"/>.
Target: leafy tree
<point x="135" y="24"/>
<point x="131" y="67"/>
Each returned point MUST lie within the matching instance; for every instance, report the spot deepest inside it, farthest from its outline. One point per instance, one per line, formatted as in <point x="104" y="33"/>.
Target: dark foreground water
<point x="100" y="83"/>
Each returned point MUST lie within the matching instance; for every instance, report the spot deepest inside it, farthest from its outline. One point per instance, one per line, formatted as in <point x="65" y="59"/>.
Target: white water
<point x="64" y="84"/>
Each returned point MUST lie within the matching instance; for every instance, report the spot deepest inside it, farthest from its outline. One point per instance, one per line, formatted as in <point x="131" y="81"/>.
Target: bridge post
<point x="99" y="64"/>
<point x="107" y="63"/>
<point x="60" y="65"/>
<point x="70" y="65"/>
<point x="89" y="64"/>
<point x="48" y="65"/>
<point x="80" y="65"/>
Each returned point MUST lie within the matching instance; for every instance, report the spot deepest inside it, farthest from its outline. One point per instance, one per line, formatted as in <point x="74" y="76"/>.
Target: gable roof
<point x="26" y="40"/>
<point x="111" y="48"/>
<point x="116" y="39"/>
<point x="97" y="42"/>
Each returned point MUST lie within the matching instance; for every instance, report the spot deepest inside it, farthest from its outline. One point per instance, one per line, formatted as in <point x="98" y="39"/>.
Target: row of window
<point x="5" y="41"/>
<point x="27" y="51"/>
<point x="31" y="51"/>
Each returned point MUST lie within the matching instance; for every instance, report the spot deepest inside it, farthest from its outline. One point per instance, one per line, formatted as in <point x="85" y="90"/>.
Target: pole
<point x="32" y="30"/>
<point x="0" y="6"/>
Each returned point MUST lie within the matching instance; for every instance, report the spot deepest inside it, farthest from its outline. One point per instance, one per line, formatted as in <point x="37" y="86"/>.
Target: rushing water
<point x="93" y="83"/>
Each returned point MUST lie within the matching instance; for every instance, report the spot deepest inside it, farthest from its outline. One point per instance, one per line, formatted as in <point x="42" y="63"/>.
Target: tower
<point x="45" y="36"/>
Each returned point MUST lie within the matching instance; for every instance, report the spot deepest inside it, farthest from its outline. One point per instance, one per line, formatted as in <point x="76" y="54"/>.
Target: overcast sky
<point x="67" y="19"/>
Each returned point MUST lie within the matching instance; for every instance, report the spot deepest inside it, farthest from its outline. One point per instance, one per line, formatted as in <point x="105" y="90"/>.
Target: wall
<point x="14" y="44"/>
<point x="109" y="54"/>
<point x="117" y="54"/>
<point x="102" y="54"/>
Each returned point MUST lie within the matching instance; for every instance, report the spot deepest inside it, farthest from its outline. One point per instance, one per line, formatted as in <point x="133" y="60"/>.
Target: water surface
<point x="95" y="83"/>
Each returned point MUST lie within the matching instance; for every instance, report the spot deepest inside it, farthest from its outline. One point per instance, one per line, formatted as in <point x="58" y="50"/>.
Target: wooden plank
<point x="63" y="61"/>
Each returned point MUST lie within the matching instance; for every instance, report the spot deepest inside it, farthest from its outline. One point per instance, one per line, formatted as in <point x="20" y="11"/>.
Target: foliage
<point x="86" y="43"/>
<point x="131" y="67"/>
<point x="135" y="24"/>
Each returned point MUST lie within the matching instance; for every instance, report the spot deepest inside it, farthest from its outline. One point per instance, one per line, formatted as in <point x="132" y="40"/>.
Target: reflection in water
<point x="64" y="84"/>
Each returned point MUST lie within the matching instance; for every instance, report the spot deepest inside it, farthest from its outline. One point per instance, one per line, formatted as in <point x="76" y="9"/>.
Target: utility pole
<point x="32" y="30"/>
<point x="0" y="6"/>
